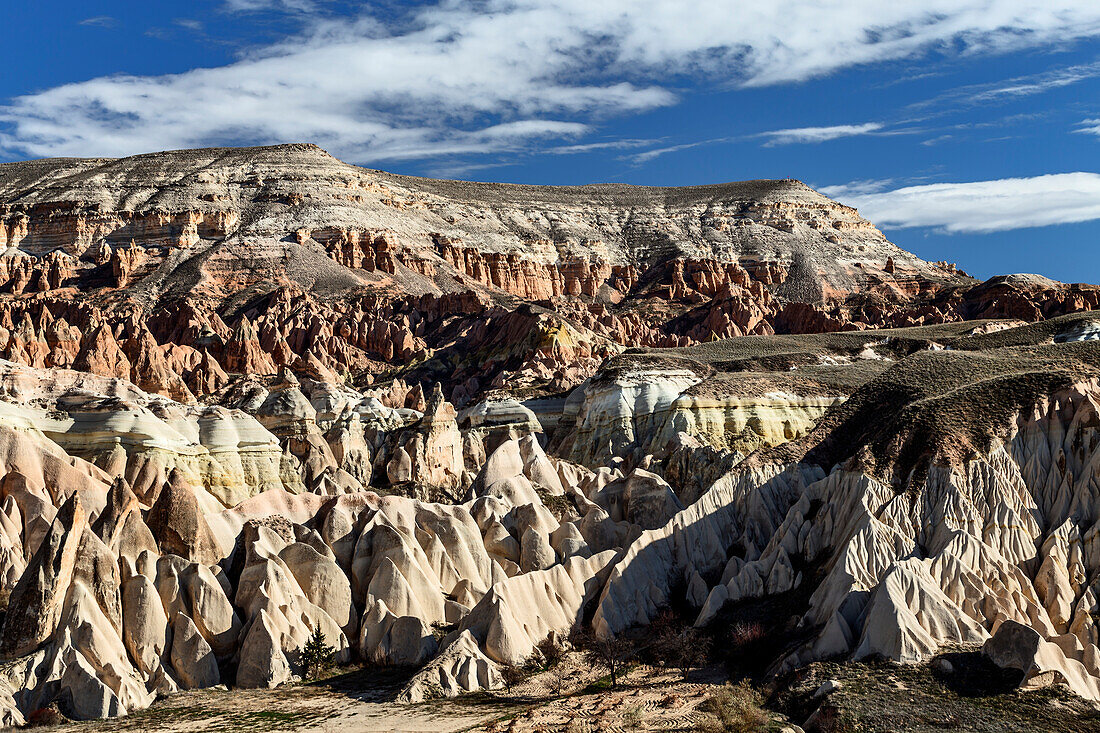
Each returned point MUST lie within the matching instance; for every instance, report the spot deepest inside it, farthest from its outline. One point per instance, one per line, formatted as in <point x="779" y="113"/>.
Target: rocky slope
<point x="250" y="394"/>
<point x="214" y="256"/>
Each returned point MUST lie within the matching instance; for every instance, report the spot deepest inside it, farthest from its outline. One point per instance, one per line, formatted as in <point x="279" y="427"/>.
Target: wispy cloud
<point x="979" y="206"/>
<point x="461" y="170"/>
<point x="649" y="155"/>
<point x="818" y="134"/>
<point x="1007" y="90"/>
<point x="190" y="24"/>
<point x="1026" y="86"/>
<point x="791" y="136"/>
<point x="930" y="142"/>
<point x="252" y="6"/>
<point x="1089" y="127"/>
<point x="625" y="144"/>
<point x="100" y="21"/>
<point x="439" y="77"/>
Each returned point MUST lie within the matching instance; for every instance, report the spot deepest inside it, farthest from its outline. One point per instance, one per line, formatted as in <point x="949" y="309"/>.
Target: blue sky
<point x="969" y="130"/>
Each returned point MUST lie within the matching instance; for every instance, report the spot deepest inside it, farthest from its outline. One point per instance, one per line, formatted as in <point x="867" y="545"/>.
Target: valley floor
<point x="880" y="697"/>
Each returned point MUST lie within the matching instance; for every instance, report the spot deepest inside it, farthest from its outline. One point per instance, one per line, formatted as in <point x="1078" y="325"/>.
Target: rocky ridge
<point x="212" y="256"/>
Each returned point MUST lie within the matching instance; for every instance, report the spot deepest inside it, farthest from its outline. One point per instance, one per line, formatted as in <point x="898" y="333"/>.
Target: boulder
<point x="1018" y="648"/>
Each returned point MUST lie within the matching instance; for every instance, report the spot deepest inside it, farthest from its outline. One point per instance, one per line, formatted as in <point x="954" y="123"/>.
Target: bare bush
<point x="551" y="650"/>
<point x="559" y="679"/>
<point x="512" y="675"/>
<point x="678" y="645"/>
<point x="610" y="652"/>
<point x="746" y="633"/>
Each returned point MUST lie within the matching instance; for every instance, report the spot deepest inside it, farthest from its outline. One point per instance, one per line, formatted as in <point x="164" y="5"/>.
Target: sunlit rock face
<point x="129" y="433"/>
<point x="249" y="395"/>
<point x="622" y="412"/>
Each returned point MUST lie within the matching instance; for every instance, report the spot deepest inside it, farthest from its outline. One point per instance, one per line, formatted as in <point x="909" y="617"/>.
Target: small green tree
<point x="316" y="654"/>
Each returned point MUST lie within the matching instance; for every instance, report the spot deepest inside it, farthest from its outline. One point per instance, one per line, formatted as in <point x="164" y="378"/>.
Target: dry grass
<point x="735" y="709"/>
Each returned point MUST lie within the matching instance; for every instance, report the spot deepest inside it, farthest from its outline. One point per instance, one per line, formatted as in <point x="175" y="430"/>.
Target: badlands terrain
<point x="511" y="450"/>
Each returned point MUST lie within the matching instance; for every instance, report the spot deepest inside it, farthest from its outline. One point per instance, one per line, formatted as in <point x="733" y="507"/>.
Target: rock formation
<point x="246" y="395"/>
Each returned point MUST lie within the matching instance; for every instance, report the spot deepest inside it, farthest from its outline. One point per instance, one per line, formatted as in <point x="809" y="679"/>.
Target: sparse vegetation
<point x="887" y="697"/>
<point x="561" y="506"/>
<point x="551" y="651"/>
<point x="632" y="717"/>
<point x="746" y="633"/>
<point x="559" y="678"/>
<point x="5" y="595"/>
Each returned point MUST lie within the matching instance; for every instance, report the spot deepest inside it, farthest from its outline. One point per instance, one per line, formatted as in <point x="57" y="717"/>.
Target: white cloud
<point x="937" y="140"/>
<point x="1025" y="86"/>
<point x="251" y="6"/>
<point x="818" y="134"/>
<point x="605" y="145"/>
<point x="1005" y="90"/>
<point x="437" y="79"/>
<point x="978" y="207"/>
<point x="774" y="137"/>
<point x="100" y="21"/>
<point x="647" y="155"/>
<point x="189" y="23"/>
<point x="1089" y="127"/>
<point x="858" y="188"/>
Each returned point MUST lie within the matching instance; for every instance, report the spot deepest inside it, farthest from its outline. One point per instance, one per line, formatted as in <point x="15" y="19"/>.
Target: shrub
<point x="316" y="654"/>
<point x="693" y="651"/>
<point x="736" y="709"/>
<point x="512" y="675"/>
<point x="746" y="633"/>
<point x="632" y="718"/>
<point x="665" y="631"/>
<point x="559" y="677"/>
<point x="670" y="701"/>
<point x="551" y="651"/>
